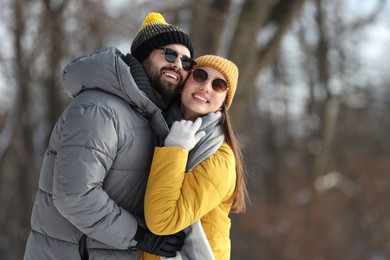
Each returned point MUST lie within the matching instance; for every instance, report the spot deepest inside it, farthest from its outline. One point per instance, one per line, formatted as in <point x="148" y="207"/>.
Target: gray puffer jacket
<point x="96" y="167"/>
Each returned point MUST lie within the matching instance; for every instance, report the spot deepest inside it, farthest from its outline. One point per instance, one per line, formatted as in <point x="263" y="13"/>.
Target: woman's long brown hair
<point x="240" y="194"/>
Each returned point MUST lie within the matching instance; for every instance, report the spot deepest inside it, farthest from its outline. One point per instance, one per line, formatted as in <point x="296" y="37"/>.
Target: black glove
<point x="159" y="245"/>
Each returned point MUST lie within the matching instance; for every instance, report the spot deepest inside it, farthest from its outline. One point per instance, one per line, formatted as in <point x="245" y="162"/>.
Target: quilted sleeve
<point x="87" y="150"/>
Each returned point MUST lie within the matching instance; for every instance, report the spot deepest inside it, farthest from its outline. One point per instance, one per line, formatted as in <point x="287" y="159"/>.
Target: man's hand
<point x="166" y="246"/>
<point x="183" y="134"/>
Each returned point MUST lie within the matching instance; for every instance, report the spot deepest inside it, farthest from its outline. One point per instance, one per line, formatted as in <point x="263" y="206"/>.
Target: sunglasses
<point x="201" y="76"/>
<point x="171" y="55"/>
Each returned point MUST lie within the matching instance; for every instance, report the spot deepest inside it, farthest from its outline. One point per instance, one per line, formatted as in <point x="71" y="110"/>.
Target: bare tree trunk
<point x="251" y="58"/>
<point x="244" y="49"/>
<point x="207" y="24"/>
<point x="328" y="109"/>
<point x="54" y="19"/>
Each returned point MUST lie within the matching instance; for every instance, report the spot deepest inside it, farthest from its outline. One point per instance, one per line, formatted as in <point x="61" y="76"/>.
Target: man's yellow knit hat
<point x="228" y="69"/>
<point x="156" y="32"/>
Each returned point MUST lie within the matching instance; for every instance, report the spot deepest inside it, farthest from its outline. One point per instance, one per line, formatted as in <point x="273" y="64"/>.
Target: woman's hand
<point x="184" y="134"/>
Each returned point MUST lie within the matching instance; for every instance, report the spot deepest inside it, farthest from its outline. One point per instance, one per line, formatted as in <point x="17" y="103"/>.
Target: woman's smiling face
<point x="199" y="99"/>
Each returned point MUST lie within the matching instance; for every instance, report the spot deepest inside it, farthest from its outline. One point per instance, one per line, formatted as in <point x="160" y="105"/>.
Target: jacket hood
<point x="104" y="69"/>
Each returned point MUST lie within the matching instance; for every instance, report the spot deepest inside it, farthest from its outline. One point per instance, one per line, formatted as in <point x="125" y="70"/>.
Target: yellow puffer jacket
<point x="174" y="199"/>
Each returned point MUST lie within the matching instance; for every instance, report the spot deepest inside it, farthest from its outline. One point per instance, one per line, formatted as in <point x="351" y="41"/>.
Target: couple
<point x="130" y="165"/>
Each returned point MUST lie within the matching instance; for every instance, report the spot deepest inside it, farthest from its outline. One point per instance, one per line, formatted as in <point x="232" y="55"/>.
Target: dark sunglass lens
<point x="219" y="85"/>
<point x="170" y="55"/>
<point x="200" y="75"/>
<point x="187" y="63"/>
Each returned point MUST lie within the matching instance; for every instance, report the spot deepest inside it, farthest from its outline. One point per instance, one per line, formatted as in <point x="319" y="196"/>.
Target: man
<point x="89" y="204"/>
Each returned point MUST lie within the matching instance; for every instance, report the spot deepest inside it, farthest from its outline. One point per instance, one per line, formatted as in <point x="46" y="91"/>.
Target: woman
<point x="198" y="174"/>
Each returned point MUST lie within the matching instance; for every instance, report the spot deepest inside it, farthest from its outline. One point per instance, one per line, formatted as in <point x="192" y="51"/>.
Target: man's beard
<point x="165" y="89"/>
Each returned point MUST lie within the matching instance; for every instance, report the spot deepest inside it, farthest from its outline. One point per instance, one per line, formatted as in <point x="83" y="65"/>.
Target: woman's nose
<point x="206" y="86"/>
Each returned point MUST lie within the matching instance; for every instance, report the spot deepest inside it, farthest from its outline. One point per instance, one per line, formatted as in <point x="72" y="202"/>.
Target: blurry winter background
<point x="311" y="111"/>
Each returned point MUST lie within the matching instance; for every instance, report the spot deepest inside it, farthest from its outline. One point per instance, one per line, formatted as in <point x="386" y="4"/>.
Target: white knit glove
<point x="183" y="134"/>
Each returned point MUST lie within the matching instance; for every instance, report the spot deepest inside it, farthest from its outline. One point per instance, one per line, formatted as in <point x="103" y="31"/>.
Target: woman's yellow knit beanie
<point x="228" y="69"/>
